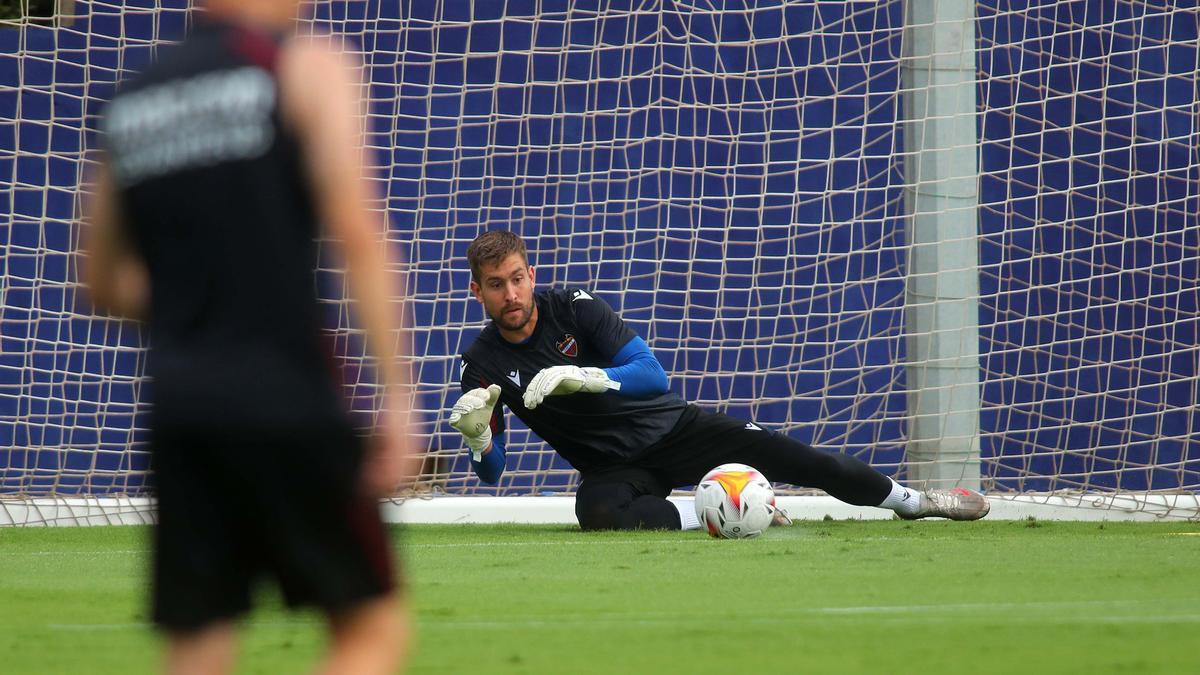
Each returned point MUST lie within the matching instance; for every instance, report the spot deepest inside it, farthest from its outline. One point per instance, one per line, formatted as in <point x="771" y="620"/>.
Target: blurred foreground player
<point x="584" y="382"/>
<point x="219" y="161"/>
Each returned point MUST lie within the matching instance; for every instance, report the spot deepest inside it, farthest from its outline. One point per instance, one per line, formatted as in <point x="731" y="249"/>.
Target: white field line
<point x="554" y="623"/>
<point x="132" y="551"/>
<point x="483" y="544"/>
<point x="1093" y="612"/>
<point x="594" y="542"/>
<point x="406" y="546"/>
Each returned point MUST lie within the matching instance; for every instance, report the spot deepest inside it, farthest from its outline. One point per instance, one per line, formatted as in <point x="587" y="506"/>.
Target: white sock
<point x="902" y="500"/>
<point x="687" y="513"/>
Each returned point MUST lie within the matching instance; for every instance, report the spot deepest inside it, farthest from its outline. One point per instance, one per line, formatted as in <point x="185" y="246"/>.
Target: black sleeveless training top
<point x="212" y="193"/>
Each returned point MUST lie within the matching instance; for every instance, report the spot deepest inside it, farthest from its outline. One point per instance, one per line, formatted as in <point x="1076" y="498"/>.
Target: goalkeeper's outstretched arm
<point x="635" y="372"/>
<point x="490" y="466"/>
<point x="477" y="418"/>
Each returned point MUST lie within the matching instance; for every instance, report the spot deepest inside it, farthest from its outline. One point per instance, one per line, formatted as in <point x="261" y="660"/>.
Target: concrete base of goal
<point x="561" y="510"/>
<point x="77" y="511"/>
<point x="87" y="511"/>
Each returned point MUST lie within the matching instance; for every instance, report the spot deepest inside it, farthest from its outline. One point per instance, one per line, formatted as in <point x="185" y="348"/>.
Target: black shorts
<point x="236" y="510"/>
<point x="701" y="441"/>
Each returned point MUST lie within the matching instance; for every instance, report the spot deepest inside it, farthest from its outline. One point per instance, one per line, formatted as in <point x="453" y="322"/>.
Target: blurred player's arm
<point x="322" y="101"/>
<point x="115" y="274"/>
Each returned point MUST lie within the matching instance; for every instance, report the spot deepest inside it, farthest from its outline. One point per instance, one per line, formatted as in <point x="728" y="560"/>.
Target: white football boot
<point x="954" y="503"/>
<point x="779" y="518"/>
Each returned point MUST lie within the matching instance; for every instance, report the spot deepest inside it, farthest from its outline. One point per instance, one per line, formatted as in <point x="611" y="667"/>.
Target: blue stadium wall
<point x="56" y="393"/>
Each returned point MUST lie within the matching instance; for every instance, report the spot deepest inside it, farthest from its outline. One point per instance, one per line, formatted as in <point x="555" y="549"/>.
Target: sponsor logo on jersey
<point x="580" y="295"/>
<point x="210" y="118"/>
<point x="515" y="376"/>
<point x="568" y="346"/>
<point x="753" y="427"/>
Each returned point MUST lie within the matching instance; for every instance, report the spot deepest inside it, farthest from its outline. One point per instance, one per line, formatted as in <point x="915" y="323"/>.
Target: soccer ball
<point x="735" y="501"/>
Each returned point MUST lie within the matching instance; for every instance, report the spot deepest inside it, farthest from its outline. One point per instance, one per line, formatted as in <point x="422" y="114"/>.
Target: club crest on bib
<point x="568" y="346"/>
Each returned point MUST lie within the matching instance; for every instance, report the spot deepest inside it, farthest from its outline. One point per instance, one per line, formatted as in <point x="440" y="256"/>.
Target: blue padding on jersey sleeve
<point x="492" y="466"/>
<point x="638" y="371"/>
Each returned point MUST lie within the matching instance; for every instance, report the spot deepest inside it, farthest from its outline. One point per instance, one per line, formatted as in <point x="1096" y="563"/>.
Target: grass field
<point x="819" y="597"/>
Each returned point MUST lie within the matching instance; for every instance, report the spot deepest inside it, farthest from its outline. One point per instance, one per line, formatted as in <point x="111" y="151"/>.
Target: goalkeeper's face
<point x="506" y="291"/>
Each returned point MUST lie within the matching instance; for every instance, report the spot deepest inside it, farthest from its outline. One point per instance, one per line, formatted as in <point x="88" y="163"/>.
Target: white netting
<point x="730" y="176"/>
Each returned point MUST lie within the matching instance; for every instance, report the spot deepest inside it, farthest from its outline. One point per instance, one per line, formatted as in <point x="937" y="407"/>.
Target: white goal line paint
<point x="1146" y="507"/>
<point x="561" y="510"/>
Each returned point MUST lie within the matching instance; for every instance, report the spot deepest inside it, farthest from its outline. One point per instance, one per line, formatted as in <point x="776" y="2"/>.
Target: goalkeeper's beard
<point x="514" y="321"/>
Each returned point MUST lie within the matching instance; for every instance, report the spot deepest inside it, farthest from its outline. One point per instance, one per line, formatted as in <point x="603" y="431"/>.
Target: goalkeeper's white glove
<point x="560" y="380"/>
<point x="472" y="416"/>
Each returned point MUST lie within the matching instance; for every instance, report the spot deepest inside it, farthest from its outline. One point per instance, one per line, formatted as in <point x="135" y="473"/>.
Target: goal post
<point x="882" y="235"/>
<point x="942" y="283"/>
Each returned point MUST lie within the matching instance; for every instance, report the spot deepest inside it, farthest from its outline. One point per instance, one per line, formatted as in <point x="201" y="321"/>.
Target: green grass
<point x="836" y="597"/>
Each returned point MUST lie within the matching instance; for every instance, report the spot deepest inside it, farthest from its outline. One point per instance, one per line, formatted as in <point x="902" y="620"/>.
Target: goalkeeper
<point x="583" y="381"/>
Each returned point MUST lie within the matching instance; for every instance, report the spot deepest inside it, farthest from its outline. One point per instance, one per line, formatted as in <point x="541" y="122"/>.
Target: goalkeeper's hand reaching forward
<point x="560" y="380"/>
<point x="472" y="416"/>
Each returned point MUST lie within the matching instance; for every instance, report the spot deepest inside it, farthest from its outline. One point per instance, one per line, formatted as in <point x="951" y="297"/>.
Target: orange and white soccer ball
<point x="735" y="501"/>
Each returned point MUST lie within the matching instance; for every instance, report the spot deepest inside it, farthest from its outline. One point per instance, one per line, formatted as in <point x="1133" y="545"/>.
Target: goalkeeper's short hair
<point x="492" y="248"/>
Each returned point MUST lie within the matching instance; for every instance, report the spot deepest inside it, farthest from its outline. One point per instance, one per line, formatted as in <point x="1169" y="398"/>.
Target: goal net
<point x="735" y="177"/>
